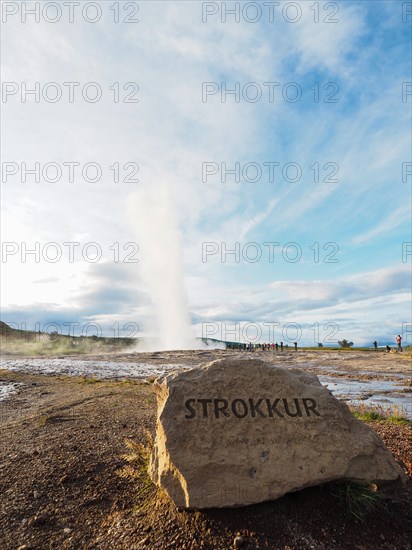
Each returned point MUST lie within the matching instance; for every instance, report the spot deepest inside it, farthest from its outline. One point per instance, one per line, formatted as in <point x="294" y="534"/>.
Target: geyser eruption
<point x="161" y="266"/>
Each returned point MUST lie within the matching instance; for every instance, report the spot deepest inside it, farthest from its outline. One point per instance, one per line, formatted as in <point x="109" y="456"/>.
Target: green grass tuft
<point x="393" y="414"/>
<point x="358" y="499"/>
<point x="137" y="471"/>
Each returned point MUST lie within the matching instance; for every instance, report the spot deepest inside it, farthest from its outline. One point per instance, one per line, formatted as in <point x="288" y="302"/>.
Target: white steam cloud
<point x="154" y="219"/>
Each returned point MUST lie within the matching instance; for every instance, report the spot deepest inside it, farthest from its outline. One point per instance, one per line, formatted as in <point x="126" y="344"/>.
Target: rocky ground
<point x="71" y="476"/>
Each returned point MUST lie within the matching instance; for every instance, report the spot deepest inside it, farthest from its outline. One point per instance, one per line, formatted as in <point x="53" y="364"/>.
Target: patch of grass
<point x="46" y="419"/>
<point x="368" y="415"/>
<point x="399" y="420"/>
<point x="393" y="414"/>
<point x="43" y="419"/>
<point x="358" y="499"/>
<point x="27" y="343"/>
<point x="130" y="382"/>
<point x="137" y="471"/>
<point x="84" y="380"/>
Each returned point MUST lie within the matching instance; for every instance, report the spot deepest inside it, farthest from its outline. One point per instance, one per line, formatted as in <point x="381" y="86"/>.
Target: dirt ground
<point x="63" y="441"/>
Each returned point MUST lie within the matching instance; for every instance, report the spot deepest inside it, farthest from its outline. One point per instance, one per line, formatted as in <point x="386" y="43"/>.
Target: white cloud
<point x="348" y="288"/>
<point x="326" y="45"/>
<point x="391" y="222"/>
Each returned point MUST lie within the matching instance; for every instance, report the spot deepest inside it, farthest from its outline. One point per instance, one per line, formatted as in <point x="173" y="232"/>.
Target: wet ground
<point x="372" y="378"/>
<point x="7" y="389"/>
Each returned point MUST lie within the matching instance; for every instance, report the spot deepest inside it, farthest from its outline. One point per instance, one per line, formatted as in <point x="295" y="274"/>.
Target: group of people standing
<point x="259" y="347"/>
<point x="388" y="348"/>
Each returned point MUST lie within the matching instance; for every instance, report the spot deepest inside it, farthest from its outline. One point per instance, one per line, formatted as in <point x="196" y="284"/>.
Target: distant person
<point x="277" y="346"/>
<point x="375" y="345"/>
<point x="296" y="346"/>
<point x="399" y="342"/>
<point x="281" y="346"/>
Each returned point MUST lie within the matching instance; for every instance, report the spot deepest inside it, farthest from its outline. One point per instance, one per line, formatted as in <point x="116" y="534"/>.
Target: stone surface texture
<point x="238" y="432"/>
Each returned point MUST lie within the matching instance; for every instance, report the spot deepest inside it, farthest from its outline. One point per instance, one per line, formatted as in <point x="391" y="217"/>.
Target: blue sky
<point x="362" y="61"/>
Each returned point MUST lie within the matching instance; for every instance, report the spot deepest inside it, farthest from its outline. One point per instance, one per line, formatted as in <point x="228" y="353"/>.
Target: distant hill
<point x="5" y="328"/>
<point x="27" y="342"/>
<point x="9" y="333"/>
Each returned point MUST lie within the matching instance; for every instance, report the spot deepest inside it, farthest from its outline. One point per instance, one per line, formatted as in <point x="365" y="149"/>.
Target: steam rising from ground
<point x="156" y="227"/>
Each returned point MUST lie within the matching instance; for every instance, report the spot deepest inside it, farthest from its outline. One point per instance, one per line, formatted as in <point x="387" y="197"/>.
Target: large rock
<point x="238" y="432"/>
